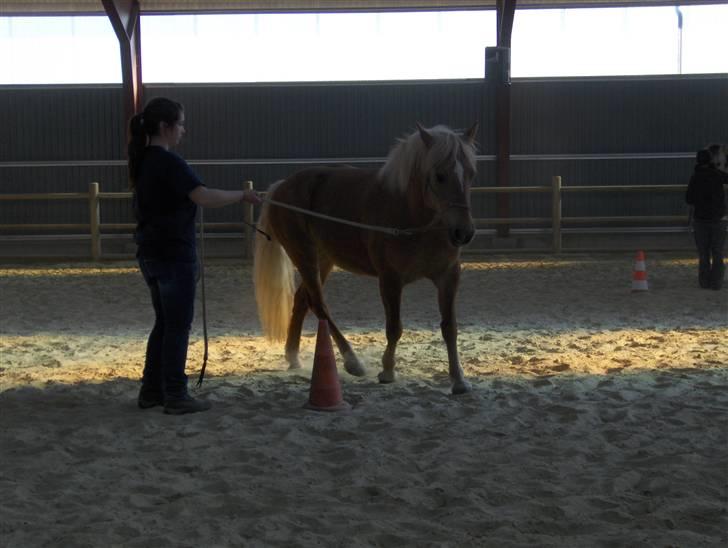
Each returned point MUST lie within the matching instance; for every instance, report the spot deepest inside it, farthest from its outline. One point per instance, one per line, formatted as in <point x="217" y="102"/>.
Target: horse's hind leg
<point x="301" y="306"/>
<point x="293" y="339"/>
<point x="312" y="280"/>
<point x="447" y="285"/>
<point x="390" y="288"/>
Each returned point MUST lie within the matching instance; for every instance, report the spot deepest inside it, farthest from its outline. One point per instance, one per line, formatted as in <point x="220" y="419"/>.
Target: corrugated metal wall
<point x="629" y="116"/>
<point x="60" y="123"/>
<point x="316" y="120"/>
<point x="72" y="135"/>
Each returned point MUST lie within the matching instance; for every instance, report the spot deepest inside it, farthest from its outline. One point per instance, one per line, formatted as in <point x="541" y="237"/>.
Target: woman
<point x="166" y="195"/>
<point x="706" y="197"/>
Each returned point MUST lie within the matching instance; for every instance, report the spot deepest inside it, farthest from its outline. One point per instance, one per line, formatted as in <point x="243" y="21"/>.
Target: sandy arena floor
<point x="599" y="417"/>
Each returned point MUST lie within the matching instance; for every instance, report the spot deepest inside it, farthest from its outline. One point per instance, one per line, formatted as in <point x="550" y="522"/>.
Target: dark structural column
<point x="498" y="77"/>
<point x="124" y="16"/>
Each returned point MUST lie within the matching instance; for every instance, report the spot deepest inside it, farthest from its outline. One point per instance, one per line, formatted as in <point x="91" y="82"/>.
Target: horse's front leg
<point x="447" y="286"/>
<point x="390" y="288"/>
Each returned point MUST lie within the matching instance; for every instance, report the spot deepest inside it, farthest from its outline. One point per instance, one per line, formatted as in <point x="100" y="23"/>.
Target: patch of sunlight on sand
<point x="522" y="354"/>
<point x="60" y="271"/>
<point x="548" y="263"/>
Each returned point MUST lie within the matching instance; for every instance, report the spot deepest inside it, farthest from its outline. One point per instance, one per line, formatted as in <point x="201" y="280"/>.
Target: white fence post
<point x="248" y="218"/>
<point x="94" y="220"/>
<point x="556" y="212"/>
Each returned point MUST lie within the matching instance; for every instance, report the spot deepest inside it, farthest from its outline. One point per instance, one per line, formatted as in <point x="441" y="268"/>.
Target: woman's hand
<point x="252" y="197"/>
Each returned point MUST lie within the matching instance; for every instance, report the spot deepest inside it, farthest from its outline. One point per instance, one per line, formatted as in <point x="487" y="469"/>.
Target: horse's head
<point x="447" y="168"/>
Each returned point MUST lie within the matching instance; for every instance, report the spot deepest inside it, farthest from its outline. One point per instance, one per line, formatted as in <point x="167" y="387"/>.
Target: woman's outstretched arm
<point x="214" y="197"/>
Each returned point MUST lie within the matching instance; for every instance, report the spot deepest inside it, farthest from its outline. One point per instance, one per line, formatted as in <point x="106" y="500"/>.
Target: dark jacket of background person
<point x="706" y="193"/>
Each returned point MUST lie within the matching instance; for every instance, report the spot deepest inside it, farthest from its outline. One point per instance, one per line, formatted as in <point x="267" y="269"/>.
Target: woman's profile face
<point x="173" y="134"/>
<point x="177" y="131"/>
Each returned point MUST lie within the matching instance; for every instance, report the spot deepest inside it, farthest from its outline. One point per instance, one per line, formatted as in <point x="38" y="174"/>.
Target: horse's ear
<point x="470" y="133"/>
<point x="427" y="138"/>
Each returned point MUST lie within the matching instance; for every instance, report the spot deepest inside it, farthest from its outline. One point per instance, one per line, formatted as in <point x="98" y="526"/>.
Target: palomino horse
<point x="416" y="209"/>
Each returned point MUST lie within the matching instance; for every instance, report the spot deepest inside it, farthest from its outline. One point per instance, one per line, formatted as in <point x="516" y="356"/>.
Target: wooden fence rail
<point x="95" y="227"/>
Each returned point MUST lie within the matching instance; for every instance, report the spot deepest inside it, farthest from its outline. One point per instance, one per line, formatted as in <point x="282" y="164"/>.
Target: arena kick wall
<point x="604" y="131"/>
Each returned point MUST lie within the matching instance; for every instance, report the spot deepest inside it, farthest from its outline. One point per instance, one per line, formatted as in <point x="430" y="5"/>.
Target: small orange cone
<point x="639" y="275"/>
<point x="325" y="392"/>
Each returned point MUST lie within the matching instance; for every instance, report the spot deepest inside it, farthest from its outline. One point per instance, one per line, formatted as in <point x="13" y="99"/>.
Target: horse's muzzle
<point x="460" y="236"/>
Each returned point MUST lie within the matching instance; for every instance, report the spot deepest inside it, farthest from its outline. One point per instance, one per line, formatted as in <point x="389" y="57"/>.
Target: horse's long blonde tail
<point x="273" y="277"/>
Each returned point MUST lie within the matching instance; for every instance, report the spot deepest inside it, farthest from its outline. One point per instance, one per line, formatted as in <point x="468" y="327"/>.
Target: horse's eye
<point x="440" y="177"/>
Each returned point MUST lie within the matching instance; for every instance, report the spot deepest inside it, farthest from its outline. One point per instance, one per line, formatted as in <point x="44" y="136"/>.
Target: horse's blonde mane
<point x="411" y="155"/>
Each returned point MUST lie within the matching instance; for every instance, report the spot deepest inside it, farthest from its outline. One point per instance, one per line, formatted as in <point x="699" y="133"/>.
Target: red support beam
<point x="125" y="16"/>
<point x="505" y="10"/>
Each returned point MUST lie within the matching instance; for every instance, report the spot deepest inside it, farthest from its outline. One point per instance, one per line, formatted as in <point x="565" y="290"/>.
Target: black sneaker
<point x="186" y="405"/>
<point x="148" y="399"/>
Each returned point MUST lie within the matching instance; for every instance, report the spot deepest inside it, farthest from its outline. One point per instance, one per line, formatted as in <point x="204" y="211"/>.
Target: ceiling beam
<point x="125" y="16"/>
<point x="149" y="7"/>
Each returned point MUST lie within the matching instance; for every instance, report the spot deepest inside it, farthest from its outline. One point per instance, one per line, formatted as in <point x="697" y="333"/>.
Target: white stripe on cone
<point x="639" y="283"/>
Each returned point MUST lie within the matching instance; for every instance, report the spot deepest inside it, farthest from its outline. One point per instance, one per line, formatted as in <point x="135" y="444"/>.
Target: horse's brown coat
<point x="439" y="168"/>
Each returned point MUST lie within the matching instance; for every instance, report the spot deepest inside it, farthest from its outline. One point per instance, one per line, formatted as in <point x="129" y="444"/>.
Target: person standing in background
<point x="706" y="197"/>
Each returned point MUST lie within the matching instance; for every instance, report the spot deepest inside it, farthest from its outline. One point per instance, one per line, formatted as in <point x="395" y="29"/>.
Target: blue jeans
<point x="172" y="286"/>
<point x="709" y="239"/>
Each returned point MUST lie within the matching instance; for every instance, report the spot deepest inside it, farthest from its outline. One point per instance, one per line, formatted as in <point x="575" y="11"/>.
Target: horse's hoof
<point x="386" y="377"/>
<point x="294" y="363"/>
<point x="461" y="387"/>
<point x="353" y="366"/>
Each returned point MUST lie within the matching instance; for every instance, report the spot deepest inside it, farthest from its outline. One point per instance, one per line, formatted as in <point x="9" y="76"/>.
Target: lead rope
<point x="375" y="228"/>
<point x="204" y="299"/>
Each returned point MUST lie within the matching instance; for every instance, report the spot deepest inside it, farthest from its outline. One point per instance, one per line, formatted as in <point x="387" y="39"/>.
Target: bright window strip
<point x="367" y="46"/>
<point x="316" y="47"/>
<point x="619" y="41"/>
<point x="58" y="50"/>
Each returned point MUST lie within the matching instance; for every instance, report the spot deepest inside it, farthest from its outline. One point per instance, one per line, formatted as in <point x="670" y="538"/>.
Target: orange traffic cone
<point x="325" y="392"/>
<point x="639" y="275"/>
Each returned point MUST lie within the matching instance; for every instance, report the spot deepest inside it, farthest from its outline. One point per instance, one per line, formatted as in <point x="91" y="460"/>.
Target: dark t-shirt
<point x="706" y="193"/>
<point x="164" y="213"/>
